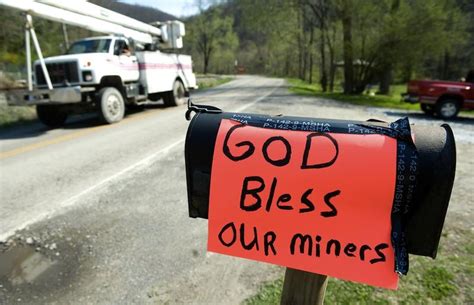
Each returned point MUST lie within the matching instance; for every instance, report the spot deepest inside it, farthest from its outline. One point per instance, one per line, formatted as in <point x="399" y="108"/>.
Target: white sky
<point x="177" y="8"/>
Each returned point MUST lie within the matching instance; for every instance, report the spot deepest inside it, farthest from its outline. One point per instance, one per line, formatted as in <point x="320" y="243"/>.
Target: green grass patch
<point x="438" y="283"/>
<point x="269" y="293"/>
<point x="211" y="80"/>
<point x="390" y="101"/>
<point x="447" y="280"/>
<point x="10" y="115"/>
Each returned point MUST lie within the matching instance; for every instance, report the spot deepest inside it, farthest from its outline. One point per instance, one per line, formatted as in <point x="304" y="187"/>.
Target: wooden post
<point x="303" y="288"/>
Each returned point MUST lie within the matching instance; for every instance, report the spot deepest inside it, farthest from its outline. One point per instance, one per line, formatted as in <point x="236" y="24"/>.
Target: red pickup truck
<point x="443" y="98"/>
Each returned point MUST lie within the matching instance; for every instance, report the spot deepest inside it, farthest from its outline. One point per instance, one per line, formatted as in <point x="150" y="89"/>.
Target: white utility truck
<point x="106" y="73"/>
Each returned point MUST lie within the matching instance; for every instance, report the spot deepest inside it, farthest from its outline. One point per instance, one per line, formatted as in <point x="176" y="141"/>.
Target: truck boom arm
<point x="87" y="15"/>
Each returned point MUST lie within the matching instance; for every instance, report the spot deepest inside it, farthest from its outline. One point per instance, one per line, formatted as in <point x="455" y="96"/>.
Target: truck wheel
<point x="428" y="109"/>
<point x="447" y="108"/>
<point x="51" y="115"/>
<point x="177" y="96"/>
<point x="111" y="105"/>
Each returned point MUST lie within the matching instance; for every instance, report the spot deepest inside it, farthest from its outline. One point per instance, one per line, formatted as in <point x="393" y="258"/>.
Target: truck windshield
<point x="90" y="46"/>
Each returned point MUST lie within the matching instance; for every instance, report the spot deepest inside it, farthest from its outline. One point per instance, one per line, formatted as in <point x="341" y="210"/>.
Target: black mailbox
<point x="423" y="219"/>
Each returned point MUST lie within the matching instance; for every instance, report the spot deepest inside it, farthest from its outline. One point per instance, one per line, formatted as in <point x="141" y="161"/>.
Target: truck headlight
<point x="87" y="76"/>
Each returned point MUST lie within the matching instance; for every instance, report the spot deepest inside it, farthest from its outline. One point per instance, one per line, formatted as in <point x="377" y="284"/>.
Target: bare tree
<point x="346" y="14"/>
<point x="211" y="31"/>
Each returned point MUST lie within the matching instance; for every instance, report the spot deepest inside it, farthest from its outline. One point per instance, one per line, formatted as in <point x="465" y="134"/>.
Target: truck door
<point x="127" y="61"/>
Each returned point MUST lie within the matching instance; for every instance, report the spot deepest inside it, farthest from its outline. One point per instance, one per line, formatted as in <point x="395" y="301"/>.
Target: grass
<point x="15" y="115"/>
<point x="269" y="293"/>
<point x="447" y="280"/>
<point x="12" y="115"/>
<point x="390" y="101"/>
<point x="211" y="80"/>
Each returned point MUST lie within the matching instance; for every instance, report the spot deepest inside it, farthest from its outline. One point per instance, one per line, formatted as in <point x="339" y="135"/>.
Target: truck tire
<point x="111" y="105"/>
<point x="177" y="96"/>
<point x="51" y="115"/>
<point x="428" y="109"/>
<point x="448" y="108"/>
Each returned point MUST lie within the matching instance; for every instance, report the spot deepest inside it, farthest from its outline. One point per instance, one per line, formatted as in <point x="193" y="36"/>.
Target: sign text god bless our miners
<point x="299" y="200"/>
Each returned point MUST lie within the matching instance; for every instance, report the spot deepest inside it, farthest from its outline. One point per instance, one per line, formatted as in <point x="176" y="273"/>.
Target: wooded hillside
<point x="362" y="41"/>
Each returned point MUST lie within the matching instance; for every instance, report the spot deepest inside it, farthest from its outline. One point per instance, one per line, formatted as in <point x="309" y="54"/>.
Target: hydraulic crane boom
<point x="90" y="16"/>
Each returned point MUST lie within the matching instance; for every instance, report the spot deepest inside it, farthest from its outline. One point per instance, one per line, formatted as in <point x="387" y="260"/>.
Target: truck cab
<point x="443" y="98"/>
<point x="89" y="60"/>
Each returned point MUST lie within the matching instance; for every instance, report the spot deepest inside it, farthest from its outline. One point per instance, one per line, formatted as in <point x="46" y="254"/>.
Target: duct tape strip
<point x="407" y="173"/>
<point x="407" y="164"/>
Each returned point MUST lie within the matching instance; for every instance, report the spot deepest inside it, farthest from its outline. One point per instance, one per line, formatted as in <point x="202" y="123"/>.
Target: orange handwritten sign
<point x="319" y="202"/>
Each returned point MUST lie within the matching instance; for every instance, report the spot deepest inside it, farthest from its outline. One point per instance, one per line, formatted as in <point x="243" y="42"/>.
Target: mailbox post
<point x="303" y="288"/>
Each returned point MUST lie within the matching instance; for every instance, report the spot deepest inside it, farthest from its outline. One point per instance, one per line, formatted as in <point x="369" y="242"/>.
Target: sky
<point x="178" y="8"/>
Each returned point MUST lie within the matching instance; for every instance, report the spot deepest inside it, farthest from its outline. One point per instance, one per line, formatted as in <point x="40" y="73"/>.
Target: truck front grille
<point x="60" y="73"/>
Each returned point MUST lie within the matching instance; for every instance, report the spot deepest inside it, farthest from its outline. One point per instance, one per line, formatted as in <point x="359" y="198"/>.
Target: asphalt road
<point x="99" y="212"/>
